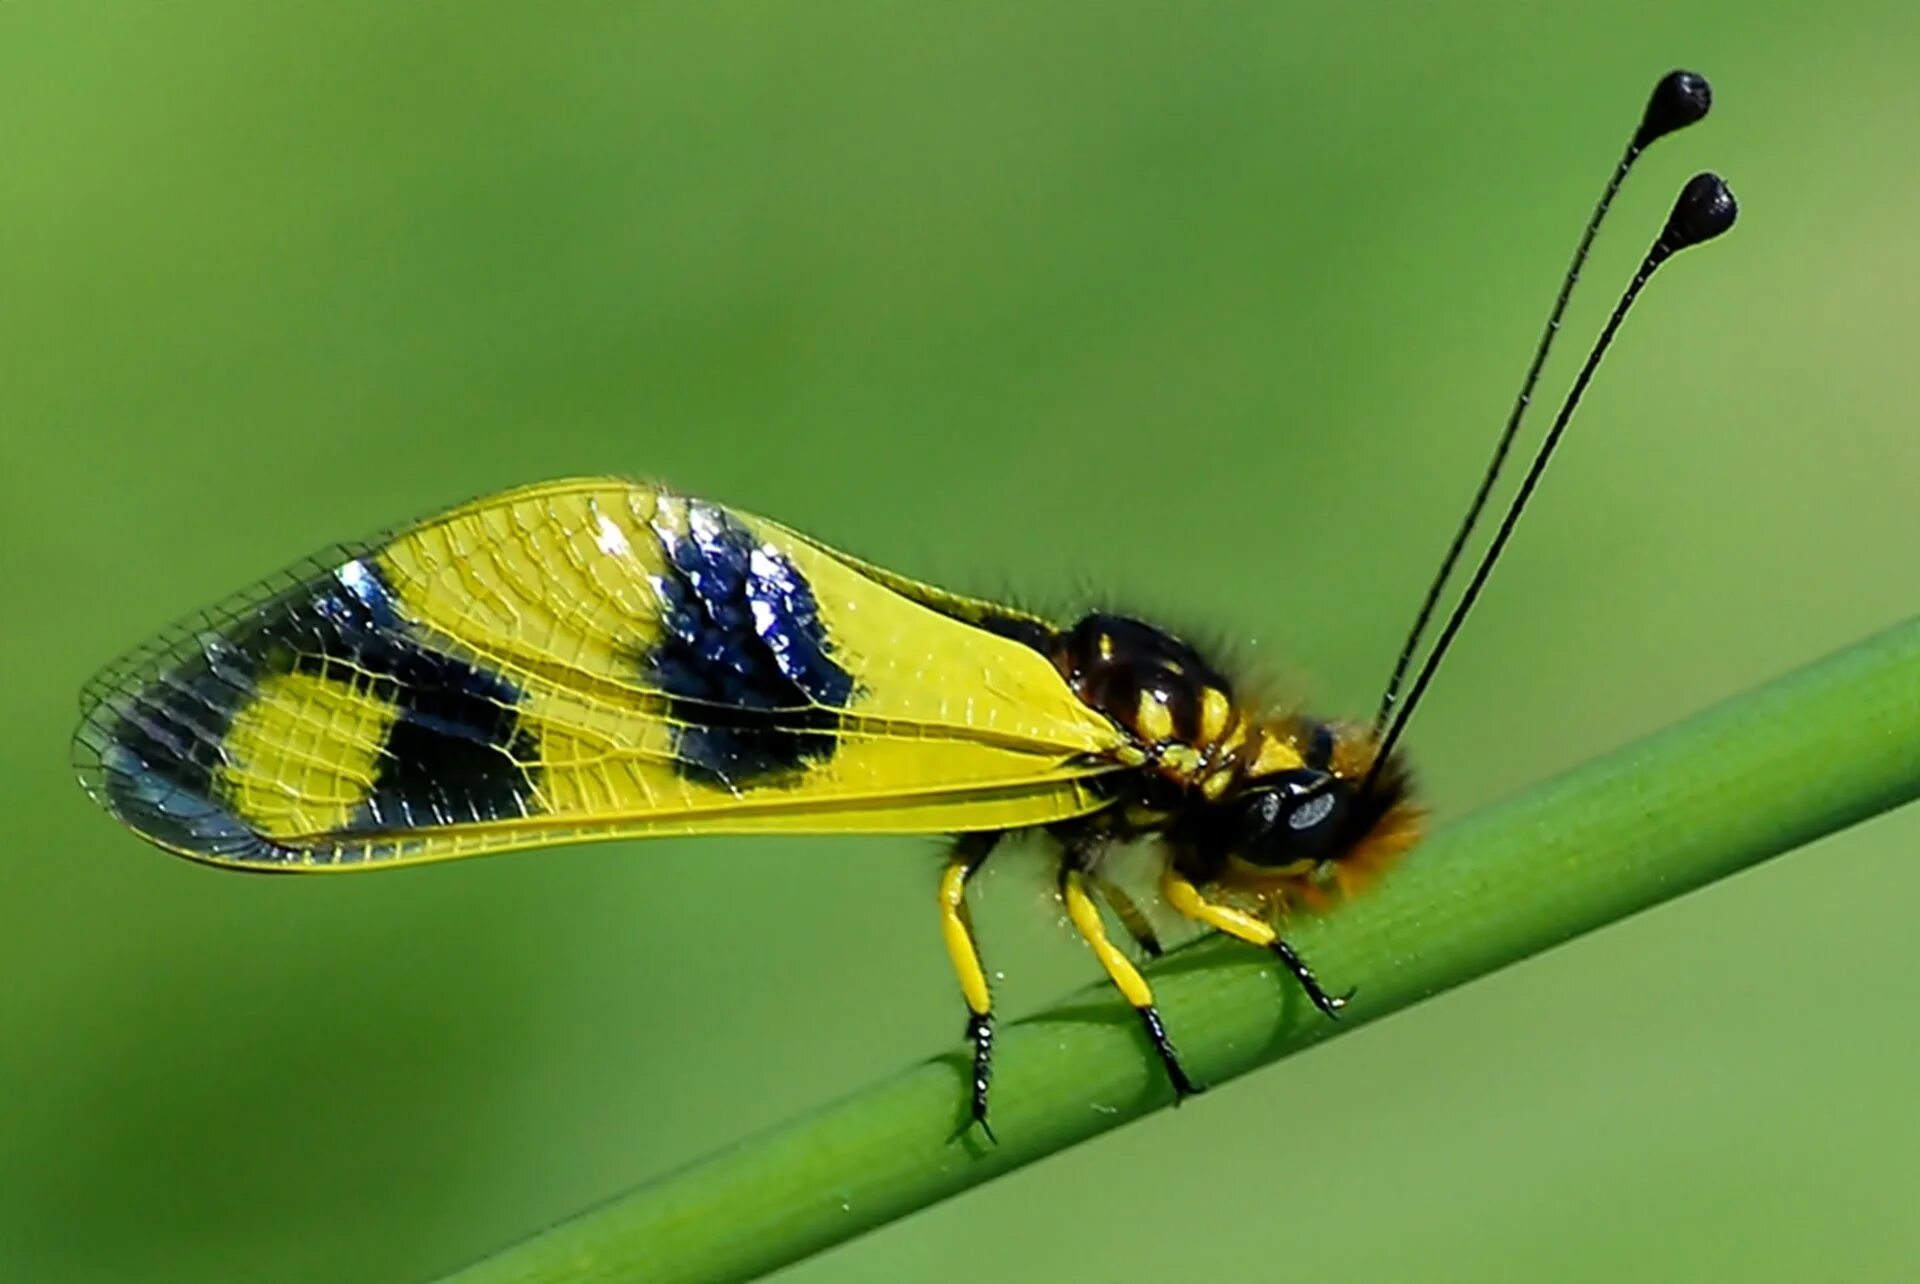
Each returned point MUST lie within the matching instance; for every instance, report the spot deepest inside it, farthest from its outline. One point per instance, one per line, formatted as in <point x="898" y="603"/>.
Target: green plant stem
<point x="1804" y="756"/>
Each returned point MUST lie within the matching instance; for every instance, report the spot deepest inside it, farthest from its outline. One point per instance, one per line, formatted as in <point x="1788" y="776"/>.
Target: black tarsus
<point x="980" y="1035"/>
<point x="1183" y="1085"/>
<point x="974" y="850"/>
<point x="1329" y="1004"/>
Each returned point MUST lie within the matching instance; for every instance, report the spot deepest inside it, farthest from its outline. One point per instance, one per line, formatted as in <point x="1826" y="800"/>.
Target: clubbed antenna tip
<point x="1705" y="208"/>
<point x="1680" y="99"/>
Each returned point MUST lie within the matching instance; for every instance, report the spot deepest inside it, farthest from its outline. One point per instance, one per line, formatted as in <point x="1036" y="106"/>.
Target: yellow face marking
<point x="302" y="755"/>
<point x="1275" y="754"/>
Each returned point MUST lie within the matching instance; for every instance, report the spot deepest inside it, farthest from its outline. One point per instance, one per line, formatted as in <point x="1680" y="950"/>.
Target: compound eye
<point x="1297" y="816"/>
<point x="1313" y="810"/>
<point x="1263" y="816"/>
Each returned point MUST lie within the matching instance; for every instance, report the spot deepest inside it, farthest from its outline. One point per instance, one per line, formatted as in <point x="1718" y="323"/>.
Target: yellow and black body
<point x="601" y="659"/>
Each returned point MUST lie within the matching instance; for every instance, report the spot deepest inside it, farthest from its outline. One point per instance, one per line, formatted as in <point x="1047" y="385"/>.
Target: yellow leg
<point x="1183" y="896"/>
<point x="956" y="929"/>
<point x="1085" y="916"/>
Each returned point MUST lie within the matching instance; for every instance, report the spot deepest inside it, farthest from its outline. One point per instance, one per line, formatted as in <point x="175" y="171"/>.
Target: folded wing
<point x="573" y="661"/>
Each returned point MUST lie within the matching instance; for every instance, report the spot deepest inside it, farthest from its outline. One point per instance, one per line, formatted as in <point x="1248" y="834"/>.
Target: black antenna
<point x="1680" y="99"/>
<point x="1704" y="210"/>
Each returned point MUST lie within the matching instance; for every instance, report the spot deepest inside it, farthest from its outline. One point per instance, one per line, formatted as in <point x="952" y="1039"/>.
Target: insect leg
<point x="1184" y="897"/>
<point x="956" y="927"/>
<point x="1121" y="971"/>
<point x="1131" y="917"/>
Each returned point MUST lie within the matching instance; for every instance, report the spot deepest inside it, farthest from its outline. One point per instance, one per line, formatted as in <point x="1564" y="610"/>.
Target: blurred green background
<point x="1209" y="311"/>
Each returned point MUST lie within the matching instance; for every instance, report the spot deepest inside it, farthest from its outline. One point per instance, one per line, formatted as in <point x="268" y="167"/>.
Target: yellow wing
<point x="571" y="661"/>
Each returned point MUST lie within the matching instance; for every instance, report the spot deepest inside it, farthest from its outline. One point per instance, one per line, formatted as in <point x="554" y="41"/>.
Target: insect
<point x="603" y="659"/>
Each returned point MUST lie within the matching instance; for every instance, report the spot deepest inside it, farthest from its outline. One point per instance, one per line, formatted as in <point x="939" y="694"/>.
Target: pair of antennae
<point x="1704" y="210"/>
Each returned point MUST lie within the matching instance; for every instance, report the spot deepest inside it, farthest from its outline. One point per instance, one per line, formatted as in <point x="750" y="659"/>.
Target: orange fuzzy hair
<point x="1397" y="828"/>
